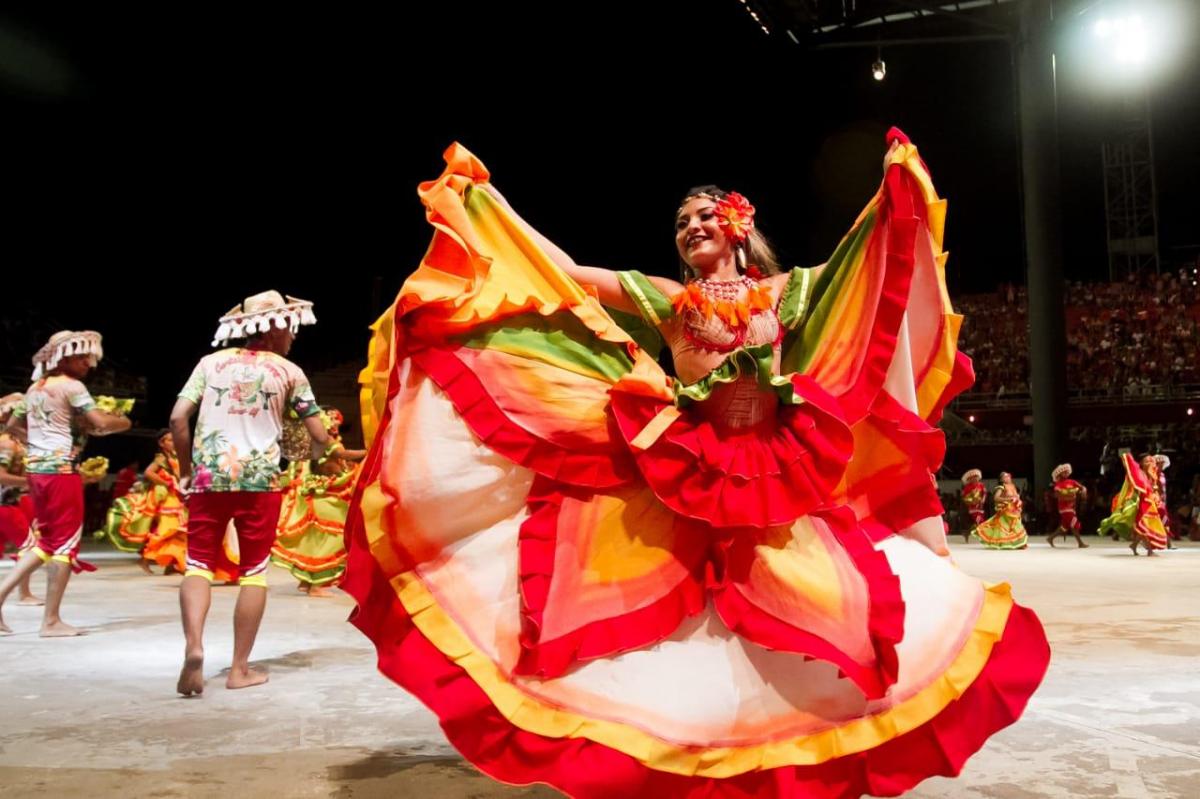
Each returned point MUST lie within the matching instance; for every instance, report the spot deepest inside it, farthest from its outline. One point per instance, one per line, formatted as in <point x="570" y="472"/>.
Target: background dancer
<point x="55" y="419"/>
<point x="974" y="499"/>
<point x="1068" y="494"/>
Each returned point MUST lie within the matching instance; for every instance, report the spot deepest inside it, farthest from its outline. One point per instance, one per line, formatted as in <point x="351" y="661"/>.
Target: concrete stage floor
<point x="1118" y="715"/>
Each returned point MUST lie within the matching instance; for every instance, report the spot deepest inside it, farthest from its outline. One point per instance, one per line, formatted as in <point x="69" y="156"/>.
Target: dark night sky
<point x="159" y="166"/>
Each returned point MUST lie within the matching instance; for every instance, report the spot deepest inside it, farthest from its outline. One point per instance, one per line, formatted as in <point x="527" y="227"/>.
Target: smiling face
<point x="698" y="238"/>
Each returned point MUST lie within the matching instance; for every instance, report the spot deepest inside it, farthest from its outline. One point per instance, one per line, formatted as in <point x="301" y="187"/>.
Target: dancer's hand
<point x="185" y="484"/>
<point x="887" y="158"/>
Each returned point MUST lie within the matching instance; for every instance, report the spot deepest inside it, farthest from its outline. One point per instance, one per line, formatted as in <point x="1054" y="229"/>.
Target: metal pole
<point x="1043" y="245"/>
<point x="1153" y="178"/>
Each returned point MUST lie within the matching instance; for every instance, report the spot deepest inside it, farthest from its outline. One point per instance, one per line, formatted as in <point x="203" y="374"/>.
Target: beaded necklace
<point x="734" y="302"/>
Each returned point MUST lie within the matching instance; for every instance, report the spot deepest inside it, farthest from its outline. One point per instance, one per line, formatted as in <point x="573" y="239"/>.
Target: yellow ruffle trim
<point x="536" y="716"/>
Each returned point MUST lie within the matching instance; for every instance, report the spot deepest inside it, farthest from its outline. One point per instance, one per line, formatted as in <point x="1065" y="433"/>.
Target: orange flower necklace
<point x="731" y="301"/>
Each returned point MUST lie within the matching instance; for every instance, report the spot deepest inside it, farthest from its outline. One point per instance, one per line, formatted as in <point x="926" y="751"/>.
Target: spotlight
<point x="1191" y="411"/>
<point x="971" y="418"/>
<point x="1132" y="45"/>
<point x="1126" y="37"/>
<point x="879" y="69"/>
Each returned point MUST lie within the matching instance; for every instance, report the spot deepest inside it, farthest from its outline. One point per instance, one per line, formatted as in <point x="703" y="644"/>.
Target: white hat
<point x="972" y="475"/>
<point x="65" y="344"/>
<point x="1061" y="471"/>
<point x="258" y="313"/>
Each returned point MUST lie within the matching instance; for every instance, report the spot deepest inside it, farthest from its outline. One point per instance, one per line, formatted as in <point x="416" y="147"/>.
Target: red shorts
<point x="58" y="516"/>
<point x="256" y="516"/>
<point x="1068" y="521"/>
<point x="14" y="522"/>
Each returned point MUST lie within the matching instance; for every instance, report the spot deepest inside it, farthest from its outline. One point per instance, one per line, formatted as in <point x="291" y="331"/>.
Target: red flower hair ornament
<point x="735" y="216"/>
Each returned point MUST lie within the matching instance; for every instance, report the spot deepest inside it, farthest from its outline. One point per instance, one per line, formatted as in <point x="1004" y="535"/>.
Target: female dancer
<point x="624" y="583"/>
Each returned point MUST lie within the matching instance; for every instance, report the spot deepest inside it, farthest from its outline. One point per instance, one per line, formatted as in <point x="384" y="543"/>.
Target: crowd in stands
<point x="1129" y="338"/>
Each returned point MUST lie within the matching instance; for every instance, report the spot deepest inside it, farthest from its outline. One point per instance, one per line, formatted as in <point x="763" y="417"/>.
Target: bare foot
<point x="5" y="629"/>
<point x="60" y="629"/>
<point x="1050" y="541"/>
<point x="145" y="566"/>
<point x="191" y="676"/>
<point x="303" y="588"/>
<point x="31" y="601"/>
<point x="1133" y="547"/>
<point x="319" y="591"/>
<point x="246" y="678"/>
<point x="1082" y="545"/>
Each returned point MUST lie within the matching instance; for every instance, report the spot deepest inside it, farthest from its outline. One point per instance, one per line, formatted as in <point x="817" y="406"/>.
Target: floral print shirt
<point x="243" y="395"/>
<point x="51" y="410"/>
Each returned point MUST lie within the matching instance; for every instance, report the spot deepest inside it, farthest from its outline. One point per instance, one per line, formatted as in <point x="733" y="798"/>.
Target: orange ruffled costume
<point x="730" y="583"/>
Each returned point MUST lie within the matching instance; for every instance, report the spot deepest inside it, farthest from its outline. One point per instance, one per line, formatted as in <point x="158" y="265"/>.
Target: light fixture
<point x="879" y="68"/>
<point x="1125" y="46"/>
<point x="759" y="20"/>
<point x="1127" y="37"/>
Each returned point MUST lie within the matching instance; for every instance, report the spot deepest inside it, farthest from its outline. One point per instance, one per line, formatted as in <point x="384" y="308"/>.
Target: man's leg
<point x="26" y="566"/>
<point x="195" y="597"/>
<point x="17" y="520"/>
<point x="58" y="509"/>
<point x="58" y="574"/>
<point x="256" y="521"/>
<point x="208" y="514"/>
<point x="247" y="617"/>
<point x="25" y="595"/>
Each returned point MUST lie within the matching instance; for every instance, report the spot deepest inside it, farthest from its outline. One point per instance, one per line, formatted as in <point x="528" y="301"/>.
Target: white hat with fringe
<point x="260" y="313"/>
<point x="65" y="344"/>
